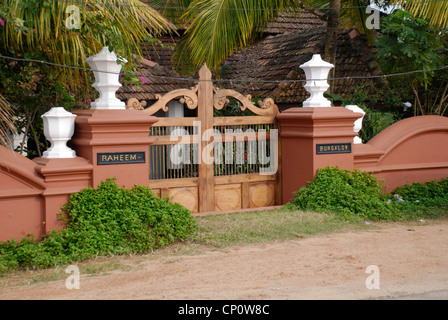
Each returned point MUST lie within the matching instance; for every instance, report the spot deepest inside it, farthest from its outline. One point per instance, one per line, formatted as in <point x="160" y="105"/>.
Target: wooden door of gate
<point x="210" y="163"/>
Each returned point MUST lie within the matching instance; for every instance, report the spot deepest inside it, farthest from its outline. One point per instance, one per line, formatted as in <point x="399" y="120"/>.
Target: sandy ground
<point x="412" y="261"/>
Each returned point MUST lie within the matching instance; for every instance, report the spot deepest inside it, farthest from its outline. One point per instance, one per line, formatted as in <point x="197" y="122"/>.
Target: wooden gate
<point x="215" y="163"/>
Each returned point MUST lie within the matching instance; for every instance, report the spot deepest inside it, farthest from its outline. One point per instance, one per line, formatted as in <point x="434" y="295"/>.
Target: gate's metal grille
<point x="171" y="161"/>
<point x="241" y="157"/>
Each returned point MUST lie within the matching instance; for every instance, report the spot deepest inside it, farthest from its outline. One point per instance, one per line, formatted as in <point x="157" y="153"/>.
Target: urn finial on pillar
<point x="358" y="122"/>
<point x="107" y="72"/>
<point x="59" y="126"/>
<point x="316" y="71"/>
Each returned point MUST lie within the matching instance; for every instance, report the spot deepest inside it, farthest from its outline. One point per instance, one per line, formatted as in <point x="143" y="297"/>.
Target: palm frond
<point x="6" y="122"/>
<point x="353" y="14"/>
<point x="123" y="24"/>
<point x="434" y="12"/>
<point x="218" y="28"/>
<point x="170" y="9"/>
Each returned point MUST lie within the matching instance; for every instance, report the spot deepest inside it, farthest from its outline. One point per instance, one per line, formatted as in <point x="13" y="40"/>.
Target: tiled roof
<point x="279" y="58"/>
<point x="159" y="80"/>
<point x="294" y="21"/>
<point x="286" y="22"/>
<point x="289" y="41"/>
<point x="162" y="52"/>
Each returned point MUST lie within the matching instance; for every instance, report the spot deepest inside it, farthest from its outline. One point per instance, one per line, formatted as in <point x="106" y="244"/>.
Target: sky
<point x="386" y="10"/>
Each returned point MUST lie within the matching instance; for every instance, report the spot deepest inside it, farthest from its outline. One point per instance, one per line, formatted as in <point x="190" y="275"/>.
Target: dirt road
<point x="406" y="261"/>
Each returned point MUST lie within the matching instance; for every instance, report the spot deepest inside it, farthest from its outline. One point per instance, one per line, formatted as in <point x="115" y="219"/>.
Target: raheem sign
<point x="104" y="158"/>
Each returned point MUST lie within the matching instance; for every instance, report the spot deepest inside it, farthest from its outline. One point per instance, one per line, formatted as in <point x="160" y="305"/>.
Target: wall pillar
<point x="114" y="140"/>
<point x="314" y="138"/>
<point x="116" y="143"/>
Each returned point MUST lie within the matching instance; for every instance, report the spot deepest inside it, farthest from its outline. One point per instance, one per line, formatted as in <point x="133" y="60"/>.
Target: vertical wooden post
<point x="278" y="174"/>
<point x="206" y="165"/>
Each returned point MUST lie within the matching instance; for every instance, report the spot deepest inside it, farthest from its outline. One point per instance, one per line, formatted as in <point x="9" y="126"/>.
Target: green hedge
<point x="107" y="220"/>
<point x="360" y="193"/>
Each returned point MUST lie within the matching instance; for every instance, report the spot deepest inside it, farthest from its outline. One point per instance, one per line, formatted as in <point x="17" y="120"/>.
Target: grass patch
<point x="267" y="226"/>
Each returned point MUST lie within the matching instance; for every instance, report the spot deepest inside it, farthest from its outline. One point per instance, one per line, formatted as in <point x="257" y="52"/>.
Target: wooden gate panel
<point x="228" y="197"/>
<point x="262" y="194"/>
<point x="216" y="185"/>
<point x="188" y="197"/>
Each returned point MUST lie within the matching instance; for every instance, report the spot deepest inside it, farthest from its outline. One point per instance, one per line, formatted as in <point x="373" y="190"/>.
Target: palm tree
<point x="218" y="28"/>
<point x="332" y="32"/>
<point x="45" y="27"/>
<point x="49" y="28"/>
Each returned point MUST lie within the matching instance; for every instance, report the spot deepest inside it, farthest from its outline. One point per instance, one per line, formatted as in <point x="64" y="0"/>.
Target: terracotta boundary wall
<point x="411" y="150"/>
<point x="21" y="198"/>
<point x="302" y="131"/>
<point x="32" y="192"/>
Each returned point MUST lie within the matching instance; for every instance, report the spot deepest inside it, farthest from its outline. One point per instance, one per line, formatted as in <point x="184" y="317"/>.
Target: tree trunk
<point x="332" y="33"/>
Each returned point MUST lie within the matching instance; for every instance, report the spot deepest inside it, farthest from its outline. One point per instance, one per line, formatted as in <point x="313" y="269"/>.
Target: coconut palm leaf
<point x="42" y="26"/>
<point x="353" y="14"/>
<point x="6" y="122"/>
<point x="434" y="12"/>
<point x="218" y="28"/>
<point x="170" y="9"/>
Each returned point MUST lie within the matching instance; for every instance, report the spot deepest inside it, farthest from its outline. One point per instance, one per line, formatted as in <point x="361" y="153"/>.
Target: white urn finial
<point x="358" y="122"/>
<point x="316" y="71"/>
<point x="107" y="72"/>
<point x="59" y="126"/>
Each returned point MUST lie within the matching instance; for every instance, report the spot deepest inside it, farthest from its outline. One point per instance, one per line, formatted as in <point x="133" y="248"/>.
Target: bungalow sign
<point x="330" y="148"/>
<point x="105" y="158"/>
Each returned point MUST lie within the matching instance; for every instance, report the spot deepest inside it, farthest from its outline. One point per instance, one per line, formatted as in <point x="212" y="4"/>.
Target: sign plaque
<point x="330" y="148"/>
<point x="104" y="158"/>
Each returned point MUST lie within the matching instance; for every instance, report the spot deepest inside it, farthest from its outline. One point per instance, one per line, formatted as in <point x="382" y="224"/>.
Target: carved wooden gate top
<point x="190" y="98"/>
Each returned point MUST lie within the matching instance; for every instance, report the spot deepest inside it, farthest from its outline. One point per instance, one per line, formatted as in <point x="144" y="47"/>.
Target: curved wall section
<point x="411" y="150"/>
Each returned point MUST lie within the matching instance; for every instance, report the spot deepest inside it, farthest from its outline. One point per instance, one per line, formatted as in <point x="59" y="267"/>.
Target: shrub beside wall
<point x="360" y="193"/>
<point x="104" y="221"/>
